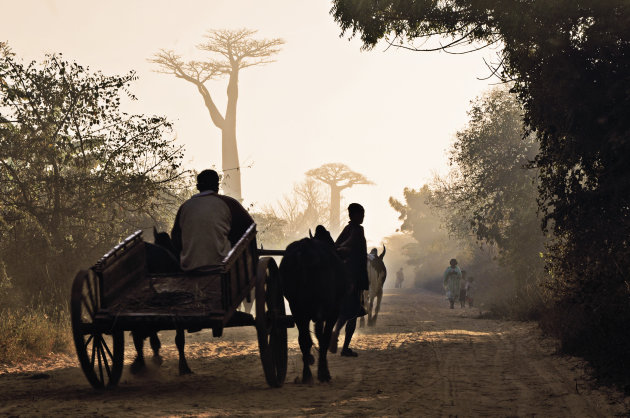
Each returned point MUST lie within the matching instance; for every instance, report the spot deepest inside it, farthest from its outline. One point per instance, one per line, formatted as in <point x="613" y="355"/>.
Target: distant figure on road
<point x="400" y="277"/>
<point x="470" y="291"/>
<point x="452" y="279"/>
<point x="417" y="277"/>
<point x="462" y="290"/>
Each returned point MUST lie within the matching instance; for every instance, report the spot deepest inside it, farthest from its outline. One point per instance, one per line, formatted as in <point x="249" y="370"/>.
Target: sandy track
<point x="422" y="359"/>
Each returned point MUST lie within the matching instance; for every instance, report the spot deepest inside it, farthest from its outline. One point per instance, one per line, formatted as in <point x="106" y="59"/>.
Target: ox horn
<point x="310" y="234"/>
<point x="383" y="253"/>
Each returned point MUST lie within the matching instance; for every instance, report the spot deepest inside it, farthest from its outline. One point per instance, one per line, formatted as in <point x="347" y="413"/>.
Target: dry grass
<point x="31" y="332"/>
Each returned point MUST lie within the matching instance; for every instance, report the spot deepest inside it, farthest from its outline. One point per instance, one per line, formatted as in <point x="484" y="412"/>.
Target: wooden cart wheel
<point x="100" y="354"/>
<point x="271" y="322"/>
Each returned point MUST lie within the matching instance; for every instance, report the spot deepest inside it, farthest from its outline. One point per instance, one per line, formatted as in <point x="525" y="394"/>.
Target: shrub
<point x="32" y="332"/>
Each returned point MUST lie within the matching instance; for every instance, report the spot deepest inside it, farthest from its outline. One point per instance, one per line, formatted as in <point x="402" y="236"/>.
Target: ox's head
<point x="374" y="253"/>
<point x="322" y="234"/>
<point x="162" y="239"/>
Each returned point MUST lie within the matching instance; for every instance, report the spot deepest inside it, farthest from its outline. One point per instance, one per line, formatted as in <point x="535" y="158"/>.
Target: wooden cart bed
<point x="117" y="294"/>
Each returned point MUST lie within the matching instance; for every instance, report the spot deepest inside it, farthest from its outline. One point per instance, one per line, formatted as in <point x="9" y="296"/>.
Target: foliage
<point x="338" y="175"/>
<point x="33" y="332"/>
<point x="433" y="247"/>
<point x="491" y="192"/>
<point x="293" y="215"/>
<point x="76" y="172"/>
<point x="396" y="257"/>
<point x="269" y="230"/>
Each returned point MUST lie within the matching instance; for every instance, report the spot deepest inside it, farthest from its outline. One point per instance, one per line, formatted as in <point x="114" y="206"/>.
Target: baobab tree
<point x="338" y="177"/>
<point x="230" y="51"/>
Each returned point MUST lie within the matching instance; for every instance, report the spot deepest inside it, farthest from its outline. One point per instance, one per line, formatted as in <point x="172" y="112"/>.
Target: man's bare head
<point x="208" y="180"/>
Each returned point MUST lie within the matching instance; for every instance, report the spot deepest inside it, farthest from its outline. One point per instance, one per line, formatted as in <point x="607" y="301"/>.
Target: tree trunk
<point x="229" y="150"/>
<point x="231" y="183"/>
<point x="335" y="203"/>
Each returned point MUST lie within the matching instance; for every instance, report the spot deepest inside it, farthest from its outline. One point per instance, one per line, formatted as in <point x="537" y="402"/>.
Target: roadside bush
<point x="595" y="329"/>
<point x="32" y="332"/>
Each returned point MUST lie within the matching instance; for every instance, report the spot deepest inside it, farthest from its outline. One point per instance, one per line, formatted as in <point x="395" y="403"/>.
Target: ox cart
<point x="117" y="294"/>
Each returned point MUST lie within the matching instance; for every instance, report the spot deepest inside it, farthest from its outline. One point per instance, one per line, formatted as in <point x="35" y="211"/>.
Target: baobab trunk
<point x="231" y="183"/>
<point x="335" y="203"/>
<point x="229" y="150"/>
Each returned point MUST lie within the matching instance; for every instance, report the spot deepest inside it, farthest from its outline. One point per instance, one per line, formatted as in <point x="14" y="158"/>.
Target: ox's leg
<point x="248" y="303"/>
<point x="138" y="363"/>
<point x="180" y="341"/>
<point x="378" y="306"/>
<point x="364" y="299"/>
<point x="304" y="338"/>
<point x="371" y="318"/>
<point x="155" y="346"/>
<point x="323" y="331"/>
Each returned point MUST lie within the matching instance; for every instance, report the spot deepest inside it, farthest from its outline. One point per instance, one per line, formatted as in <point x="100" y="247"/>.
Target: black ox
<point x="160" y="258"/>
<point x="314" y="282"/>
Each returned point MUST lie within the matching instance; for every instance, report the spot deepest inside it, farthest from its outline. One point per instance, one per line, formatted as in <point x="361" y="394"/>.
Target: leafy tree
<point x="269" y="230"/>
<point x="302" y="209"/>
<point x="76" y="172"/>
<point x="230" y="51"/>
<point x="338" y="177"/>
<point x="491" y="192"/>
<point x="433" y="247"/>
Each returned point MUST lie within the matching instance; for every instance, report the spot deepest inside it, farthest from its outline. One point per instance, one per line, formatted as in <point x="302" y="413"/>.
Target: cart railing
<point x="240" y="270"/>
<point x="126" y="262"/>
<point x="121" y="265"/>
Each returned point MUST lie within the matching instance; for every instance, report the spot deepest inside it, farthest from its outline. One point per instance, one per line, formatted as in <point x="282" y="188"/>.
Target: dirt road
<point x="421" y="359"/>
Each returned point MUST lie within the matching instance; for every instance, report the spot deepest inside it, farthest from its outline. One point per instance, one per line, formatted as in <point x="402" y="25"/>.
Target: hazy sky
<point x="389" y="115"/>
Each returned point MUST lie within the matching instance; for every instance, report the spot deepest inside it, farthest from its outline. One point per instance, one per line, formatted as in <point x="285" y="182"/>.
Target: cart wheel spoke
<point x="100" y="365"/>
<point x="87" y="342"/>
<point x="93" y="353"/>
<point x="105" y="362"/>
<point x="111" y="356"/>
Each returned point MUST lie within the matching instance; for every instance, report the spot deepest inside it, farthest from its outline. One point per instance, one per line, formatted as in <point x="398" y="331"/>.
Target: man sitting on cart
<point x="208" y="225"/>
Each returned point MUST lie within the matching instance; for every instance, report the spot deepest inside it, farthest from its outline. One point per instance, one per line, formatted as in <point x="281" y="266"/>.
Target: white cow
<point x="377" y="273"/>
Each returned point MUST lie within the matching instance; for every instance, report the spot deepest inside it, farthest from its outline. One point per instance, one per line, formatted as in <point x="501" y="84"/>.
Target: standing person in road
<point x="417" y="278"/>
<point x="470" y="291"/>
<point x="462" y="290"/>
<point x="452" y="279"/>
<point x="352" y="249"/>
<point x="400" y="277"/>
